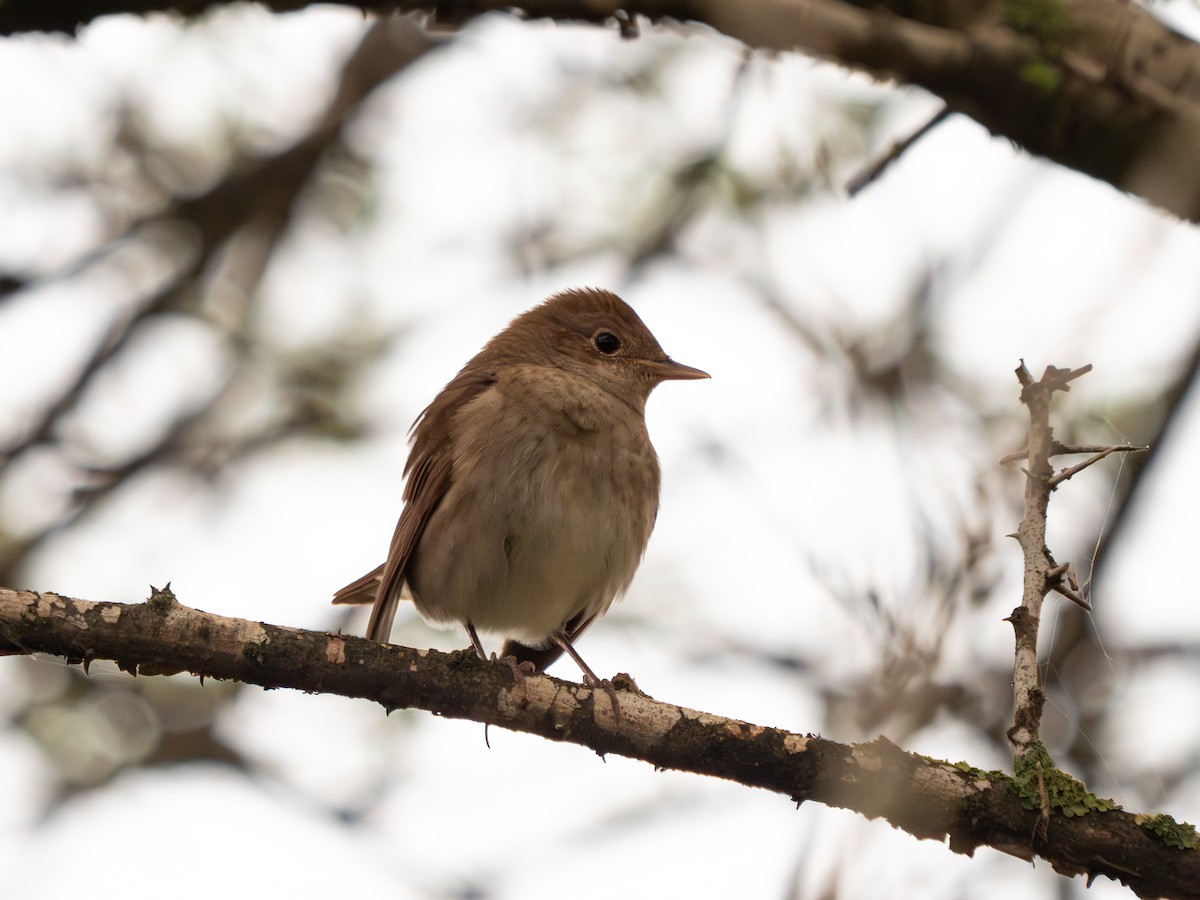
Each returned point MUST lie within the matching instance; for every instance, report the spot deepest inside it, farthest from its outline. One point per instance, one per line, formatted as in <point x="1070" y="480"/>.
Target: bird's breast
<point x="551" y="504"/>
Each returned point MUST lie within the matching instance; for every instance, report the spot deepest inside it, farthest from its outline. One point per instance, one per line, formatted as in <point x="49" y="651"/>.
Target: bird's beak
<point x="669" y="370"/>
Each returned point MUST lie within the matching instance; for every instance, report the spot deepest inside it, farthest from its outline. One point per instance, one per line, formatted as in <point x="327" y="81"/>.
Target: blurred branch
<point x="1092" y="84"/>
<point x="257" y="196"/>
<point x="875" y="170"/>
<point x="234" y="229"/>
<point x="1097" y="85"/>
<point x="1169" y="411"/>
<point x="925" y="797"/>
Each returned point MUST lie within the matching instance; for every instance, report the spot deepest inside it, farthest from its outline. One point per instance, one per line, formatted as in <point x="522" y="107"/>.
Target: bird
<point x="531" y="485"/>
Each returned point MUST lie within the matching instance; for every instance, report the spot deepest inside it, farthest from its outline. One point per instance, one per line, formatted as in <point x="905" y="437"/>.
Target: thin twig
<point x="1072" y="449"/>
<point x="1065" y="474"/>
<point x="895" y="151"/>
<point x="1042" y="573"/>
<point x="1065" y="582"/>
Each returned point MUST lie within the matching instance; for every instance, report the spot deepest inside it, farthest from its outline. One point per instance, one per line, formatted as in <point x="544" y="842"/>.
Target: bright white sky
<point x="1047" y="265"/>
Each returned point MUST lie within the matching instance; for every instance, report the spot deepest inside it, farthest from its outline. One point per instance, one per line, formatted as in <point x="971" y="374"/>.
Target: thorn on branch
<point x="1053" y="379"/>
<point x="1057" y="379"/>
<point x="1023" y="375"/>
<point x="1014" y="456"/>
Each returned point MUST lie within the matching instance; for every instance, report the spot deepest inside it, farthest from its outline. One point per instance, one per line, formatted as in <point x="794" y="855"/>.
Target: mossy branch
<point x="926" y="797"/>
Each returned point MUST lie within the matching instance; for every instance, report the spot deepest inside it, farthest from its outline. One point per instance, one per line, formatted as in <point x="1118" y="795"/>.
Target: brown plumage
<point x="532" y="484"/>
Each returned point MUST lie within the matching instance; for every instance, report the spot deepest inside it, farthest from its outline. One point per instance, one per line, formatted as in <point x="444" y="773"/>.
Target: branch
<point x="875" y="170"/>
<point x="1100" y="86"/>
<point x="1091" y="84"/>
<point x="1097" y="455"/>
<point x="1042" y="573"/>
<point x="255" y="198"/>
<point x="925" y="797"/>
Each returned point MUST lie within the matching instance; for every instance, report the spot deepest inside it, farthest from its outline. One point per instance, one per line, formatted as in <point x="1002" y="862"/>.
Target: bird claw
<point x="624" y="682"/>
<point x="590" y="679"/>
<point x="607" y="686"/>
<point x="520" y="671"/>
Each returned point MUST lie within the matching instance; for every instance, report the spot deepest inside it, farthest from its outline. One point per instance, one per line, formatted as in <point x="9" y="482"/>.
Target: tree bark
<point x="926" y="797"/>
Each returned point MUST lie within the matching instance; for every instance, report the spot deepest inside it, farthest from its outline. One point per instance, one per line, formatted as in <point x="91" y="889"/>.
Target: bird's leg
<point x="475" y="642"/>
<point x="519" y="670"/>
<point x="560" y="640"/>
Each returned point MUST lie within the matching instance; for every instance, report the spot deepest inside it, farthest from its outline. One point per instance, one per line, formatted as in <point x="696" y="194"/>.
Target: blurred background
<point x="240" y="253"/>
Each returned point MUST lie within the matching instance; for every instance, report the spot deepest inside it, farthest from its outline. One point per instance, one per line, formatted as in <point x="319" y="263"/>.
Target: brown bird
<point x="532" y="484"/>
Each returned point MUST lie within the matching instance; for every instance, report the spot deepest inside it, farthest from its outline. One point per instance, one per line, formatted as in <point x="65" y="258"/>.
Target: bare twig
<point x="1064" y="581"/>
<point x="1066" y="474"/>
<point x="1042" y="573"/>
<point x="1058" y="449"/>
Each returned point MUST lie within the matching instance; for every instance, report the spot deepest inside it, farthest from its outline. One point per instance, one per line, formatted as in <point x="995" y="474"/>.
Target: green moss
<point x="979" y="774"/>
<point x="1049" y="25"/>
<point x="1036" y="780"/>
<point x="1042" y="75"/>
<point x="1180" y="835"/>
<point x="161" y="599"/>
<point x="1046" y="21"/>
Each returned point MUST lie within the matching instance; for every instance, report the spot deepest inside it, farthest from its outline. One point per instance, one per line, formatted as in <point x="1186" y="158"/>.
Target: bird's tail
<point x="366" y="590"/>
<point x="361" y="591"/>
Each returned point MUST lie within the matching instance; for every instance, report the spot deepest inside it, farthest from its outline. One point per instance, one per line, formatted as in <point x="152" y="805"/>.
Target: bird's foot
<point x="520" y="670"/>
<point x="563" y="642"/>
<point x="609" y="688"/>
<point x="624" y="682"/>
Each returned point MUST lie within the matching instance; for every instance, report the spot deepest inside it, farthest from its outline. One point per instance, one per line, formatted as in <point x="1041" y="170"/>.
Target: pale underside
<point x="561" y="531"/>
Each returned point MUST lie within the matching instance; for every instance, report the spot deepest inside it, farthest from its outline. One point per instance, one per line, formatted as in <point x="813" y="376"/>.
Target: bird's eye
<point x="607" y="342"/>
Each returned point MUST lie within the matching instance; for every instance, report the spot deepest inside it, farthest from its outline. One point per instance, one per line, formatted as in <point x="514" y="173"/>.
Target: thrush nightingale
<point x="532" y="485"/>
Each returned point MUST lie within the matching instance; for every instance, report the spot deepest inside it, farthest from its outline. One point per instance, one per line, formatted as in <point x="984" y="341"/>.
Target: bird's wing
<point x="430" y="471"/>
